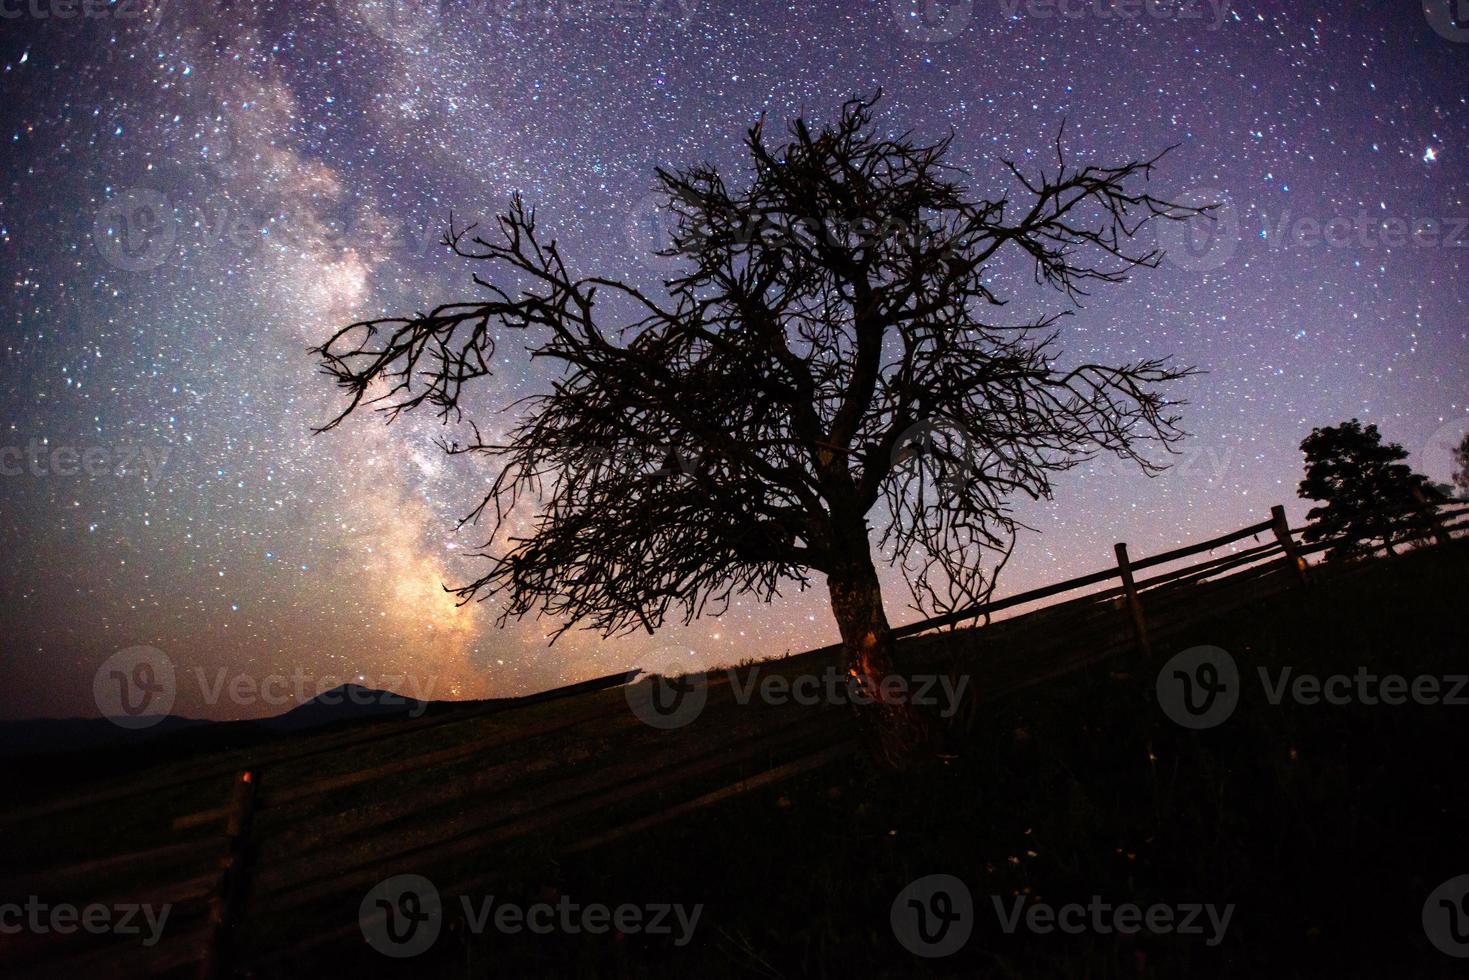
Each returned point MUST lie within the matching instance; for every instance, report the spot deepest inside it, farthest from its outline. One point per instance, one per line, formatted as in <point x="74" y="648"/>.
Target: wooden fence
<point x="277" y="848"/>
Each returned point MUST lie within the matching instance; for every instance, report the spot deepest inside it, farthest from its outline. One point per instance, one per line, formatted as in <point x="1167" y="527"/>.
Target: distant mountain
<point x="349" y="702"/>
<point x="80" y="734"/>
<point x="100" y="743"/>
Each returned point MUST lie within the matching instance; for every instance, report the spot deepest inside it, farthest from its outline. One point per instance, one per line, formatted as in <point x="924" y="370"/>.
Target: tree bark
<point x="897" y="733"/>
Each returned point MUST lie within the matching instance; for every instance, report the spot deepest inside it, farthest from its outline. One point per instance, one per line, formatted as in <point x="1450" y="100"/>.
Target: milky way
<point x="198" y="192"/>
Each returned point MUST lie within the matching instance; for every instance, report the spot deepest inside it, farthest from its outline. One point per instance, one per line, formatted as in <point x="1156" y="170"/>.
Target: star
<point x="350" y="138"/>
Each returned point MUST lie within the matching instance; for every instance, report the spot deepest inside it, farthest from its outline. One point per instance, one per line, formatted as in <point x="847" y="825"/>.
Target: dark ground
<point x="1325" y="826"/>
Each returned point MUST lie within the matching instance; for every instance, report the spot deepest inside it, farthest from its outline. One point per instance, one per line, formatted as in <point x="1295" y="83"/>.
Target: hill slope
<point x="1324" y="827"/>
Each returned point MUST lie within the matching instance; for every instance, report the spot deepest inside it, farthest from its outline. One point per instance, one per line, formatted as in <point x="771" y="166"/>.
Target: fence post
<point x="229" y="894"/>
<point x="1140" y="625"/>
<point x="1288" y="544"/>
<point x="1431" y="516"/>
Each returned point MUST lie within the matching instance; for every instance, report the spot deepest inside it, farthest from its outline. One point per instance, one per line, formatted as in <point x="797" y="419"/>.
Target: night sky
<point x="162" y="485"/>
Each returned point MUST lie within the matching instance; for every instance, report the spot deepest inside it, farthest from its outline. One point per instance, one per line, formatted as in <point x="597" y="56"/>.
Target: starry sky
<point x="196" y="192"/>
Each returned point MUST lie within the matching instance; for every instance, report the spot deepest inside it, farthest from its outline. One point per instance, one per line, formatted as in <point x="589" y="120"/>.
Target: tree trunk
<point x="897" y="733"/>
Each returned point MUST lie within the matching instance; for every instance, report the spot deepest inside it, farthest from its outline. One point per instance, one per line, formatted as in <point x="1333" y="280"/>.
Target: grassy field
<point x="1324" y="826"/>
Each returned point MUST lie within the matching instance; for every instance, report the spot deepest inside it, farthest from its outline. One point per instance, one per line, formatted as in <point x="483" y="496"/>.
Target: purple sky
<point x="161" y="485"/>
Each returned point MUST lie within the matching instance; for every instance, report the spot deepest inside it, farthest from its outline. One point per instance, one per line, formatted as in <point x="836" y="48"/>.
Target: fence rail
<point x="252" y="867"/>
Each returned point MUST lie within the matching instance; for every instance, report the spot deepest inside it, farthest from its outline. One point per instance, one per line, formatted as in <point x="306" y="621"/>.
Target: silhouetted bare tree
<point x="824" y="355"/>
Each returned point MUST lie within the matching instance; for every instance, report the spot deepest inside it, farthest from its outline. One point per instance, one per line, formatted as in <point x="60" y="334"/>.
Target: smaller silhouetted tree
<point x="1461" y="466"/>
<point x="1369" y="494"/>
